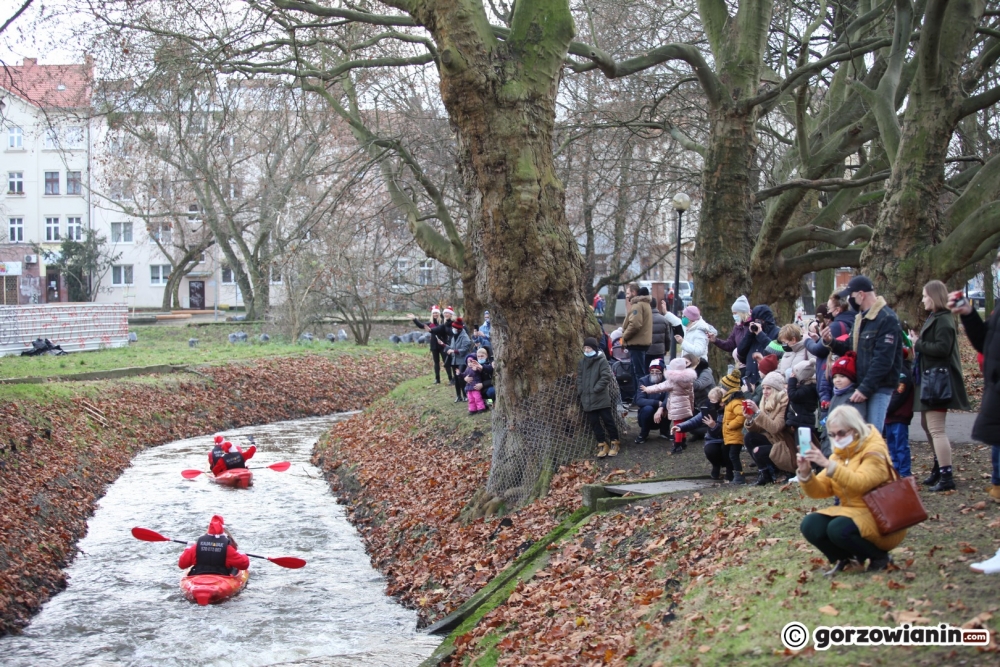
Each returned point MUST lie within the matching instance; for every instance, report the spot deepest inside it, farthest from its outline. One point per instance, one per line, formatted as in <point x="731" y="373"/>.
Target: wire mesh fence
<point x="548" y="431"/>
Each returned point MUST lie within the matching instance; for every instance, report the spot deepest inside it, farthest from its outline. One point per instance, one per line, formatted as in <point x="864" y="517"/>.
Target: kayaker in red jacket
<point x="227" y="456"/>
<point x="214" y="553"/>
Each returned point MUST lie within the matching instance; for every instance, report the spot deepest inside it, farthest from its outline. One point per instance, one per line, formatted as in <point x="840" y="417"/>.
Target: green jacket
<point x="938" y="348"/>
<point x="593" y="379"/>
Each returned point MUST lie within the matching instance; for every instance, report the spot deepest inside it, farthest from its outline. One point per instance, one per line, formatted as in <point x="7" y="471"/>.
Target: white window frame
<point x="194" y="214"/>
<point x="159" y="274"/>
<point x="399" y="269"/>
<point x="274" y="276"/>
<point x="161" y="231"/>
<point x="71" y="181"/>
<point x="123" y="234"/>
<point x="222" y="276"/>
<point x="15" y="229"/>
<point x="50" y="139"/>
<point x="54" y="190"/>
<point x="15" y="182"/>
<point x="52" y="231"/>
<point x="426" y="275"/>
<point x="74" y="138"/>
<point x="15" y="138"/>
<point x="122" y="275"/>
<point x="74" y="227"/>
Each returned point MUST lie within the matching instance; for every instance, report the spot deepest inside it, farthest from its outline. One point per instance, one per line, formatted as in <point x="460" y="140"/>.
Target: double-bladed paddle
<point x="147" y="535"/>
<point x="280" y="466"/>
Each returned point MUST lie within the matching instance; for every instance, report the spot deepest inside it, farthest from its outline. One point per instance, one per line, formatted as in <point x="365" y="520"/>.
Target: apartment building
<point x="45" y="156"/>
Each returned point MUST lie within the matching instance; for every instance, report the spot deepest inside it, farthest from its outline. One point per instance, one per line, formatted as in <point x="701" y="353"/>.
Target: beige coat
<point x="860" y="468"/>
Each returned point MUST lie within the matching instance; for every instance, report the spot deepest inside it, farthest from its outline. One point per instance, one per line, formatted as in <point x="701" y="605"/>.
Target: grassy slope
<point x="159" y="344"/>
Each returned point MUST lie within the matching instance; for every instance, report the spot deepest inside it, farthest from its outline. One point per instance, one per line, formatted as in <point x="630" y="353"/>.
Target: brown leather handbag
<point x="896" y="504"/>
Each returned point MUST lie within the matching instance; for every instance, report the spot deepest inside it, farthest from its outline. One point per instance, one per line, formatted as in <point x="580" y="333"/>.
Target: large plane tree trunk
<point x="500" y="96"/>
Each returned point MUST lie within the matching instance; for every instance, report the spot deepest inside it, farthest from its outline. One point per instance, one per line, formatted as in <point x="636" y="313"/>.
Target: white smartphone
<point x="805" y="439"/>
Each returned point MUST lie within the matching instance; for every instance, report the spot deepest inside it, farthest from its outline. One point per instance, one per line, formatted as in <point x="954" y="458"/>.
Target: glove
<point x="825" y="405"/>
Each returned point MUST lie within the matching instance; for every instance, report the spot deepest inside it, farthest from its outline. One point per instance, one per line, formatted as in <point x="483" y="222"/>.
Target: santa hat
<point x="767" y="364"/>
<point x="216" y="526"/>
<point x="218" y="439"/>
<point x="448" y="311"/>
<point x="227" y="445"/>
<point x="679" y="364"/>
<point x="435" y="310"/>
<point x="457" y="322"/>
<point x="656" y="363"/>
<point x="846" y="366"/>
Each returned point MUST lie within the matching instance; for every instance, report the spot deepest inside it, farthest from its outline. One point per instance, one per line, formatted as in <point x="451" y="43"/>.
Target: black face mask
<point x="786" y="348"/>
<point x="853" y="304"/>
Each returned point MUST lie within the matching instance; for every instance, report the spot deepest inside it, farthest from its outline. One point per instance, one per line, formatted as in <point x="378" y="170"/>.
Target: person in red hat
<point x="459" y="347"/>
<point x="227" y="456"/>
<point x="845" y="377"/>
<point x="215" y="552"/>
<point x="437" y="328"/>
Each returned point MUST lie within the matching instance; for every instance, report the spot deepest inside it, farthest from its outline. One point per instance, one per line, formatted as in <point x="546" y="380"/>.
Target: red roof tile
<point x="50" y="86"/>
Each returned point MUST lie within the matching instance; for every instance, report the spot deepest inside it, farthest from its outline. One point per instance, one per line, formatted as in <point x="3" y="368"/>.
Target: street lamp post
<point x="681" y="203"/>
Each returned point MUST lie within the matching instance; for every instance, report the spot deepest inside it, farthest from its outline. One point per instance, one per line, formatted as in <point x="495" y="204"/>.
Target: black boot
<point x="715" y="473"/>
<point x="764" y="478"/>
<point x="935" y="475"/>
<point x="945" y="483"/>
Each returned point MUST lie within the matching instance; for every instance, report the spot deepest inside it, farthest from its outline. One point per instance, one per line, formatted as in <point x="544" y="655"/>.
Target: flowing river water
<point x="123" y="605"/>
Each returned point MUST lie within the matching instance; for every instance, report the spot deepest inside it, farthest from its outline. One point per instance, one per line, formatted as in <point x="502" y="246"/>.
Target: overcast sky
<point x="43" y="32"/>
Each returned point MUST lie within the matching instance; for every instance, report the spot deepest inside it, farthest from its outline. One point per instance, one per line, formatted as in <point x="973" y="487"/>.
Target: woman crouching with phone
<point x="847" y="533"/>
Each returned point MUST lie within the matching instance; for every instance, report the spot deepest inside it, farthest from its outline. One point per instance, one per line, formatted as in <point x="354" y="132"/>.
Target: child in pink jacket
<point x="678" y="381"/>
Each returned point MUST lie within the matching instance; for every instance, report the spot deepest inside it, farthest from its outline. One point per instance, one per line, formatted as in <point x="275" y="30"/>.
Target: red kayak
<point x="238" y="478"/>
<point x="209" y="588"/>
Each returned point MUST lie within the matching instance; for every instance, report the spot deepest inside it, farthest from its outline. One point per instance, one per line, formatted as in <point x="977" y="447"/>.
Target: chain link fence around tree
<point x="551" y="432"/>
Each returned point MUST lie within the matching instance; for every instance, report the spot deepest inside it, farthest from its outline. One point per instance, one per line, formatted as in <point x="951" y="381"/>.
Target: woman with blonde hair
<point x="847" y="533"/>
<point x="936" y="347"/>
<point x="765" y="425"/>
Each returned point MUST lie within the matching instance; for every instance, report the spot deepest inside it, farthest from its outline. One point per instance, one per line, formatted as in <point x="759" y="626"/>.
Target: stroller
<point x="621" y="368"/>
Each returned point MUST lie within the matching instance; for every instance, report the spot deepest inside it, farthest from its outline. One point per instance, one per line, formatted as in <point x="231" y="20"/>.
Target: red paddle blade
<point x="289" y="562"/>
<point x="190" y="474"/>
<point x="147" y="535"/>
<point x="280" y="466"/>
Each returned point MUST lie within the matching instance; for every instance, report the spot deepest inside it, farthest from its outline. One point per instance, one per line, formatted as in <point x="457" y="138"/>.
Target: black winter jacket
<point x="752" y="344"/>
<point x="983" y="336"/>
<point x="803" y="399"/>
<point x="878" y="341"/>
<point x="661" y="329"/>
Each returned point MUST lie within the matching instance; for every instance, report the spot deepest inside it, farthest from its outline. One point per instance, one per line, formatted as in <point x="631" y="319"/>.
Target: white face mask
<point x="737" y="318"/>
<point x="841" y="443"/>
<point x="589" y="353"/>
<point x="454" y="331"/>
<point x="481" y="360"/>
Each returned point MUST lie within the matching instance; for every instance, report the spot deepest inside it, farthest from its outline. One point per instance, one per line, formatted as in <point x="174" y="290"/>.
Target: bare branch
<point x="825" y="184"/>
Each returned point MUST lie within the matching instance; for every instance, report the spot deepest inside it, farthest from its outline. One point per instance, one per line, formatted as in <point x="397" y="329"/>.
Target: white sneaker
<point x="991" y="566"/>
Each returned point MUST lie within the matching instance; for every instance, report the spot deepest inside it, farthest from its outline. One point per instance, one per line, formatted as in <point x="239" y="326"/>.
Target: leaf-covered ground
<point x="705" y="578"/>
<point x="55" y="460"/>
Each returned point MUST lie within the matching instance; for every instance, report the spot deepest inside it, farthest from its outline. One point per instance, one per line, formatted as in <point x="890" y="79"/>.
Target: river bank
<point x="57" y="456"/>
<point x="703" y="578"/>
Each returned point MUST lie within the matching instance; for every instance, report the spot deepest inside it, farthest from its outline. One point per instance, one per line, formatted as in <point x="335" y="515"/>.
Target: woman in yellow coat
<point x="847" y="533"/>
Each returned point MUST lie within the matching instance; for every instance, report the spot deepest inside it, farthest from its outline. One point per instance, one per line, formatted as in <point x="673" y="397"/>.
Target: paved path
<point x="958" y="427"/>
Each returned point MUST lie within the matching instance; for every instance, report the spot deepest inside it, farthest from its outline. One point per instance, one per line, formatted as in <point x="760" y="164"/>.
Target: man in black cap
<point x="877" y="339"/>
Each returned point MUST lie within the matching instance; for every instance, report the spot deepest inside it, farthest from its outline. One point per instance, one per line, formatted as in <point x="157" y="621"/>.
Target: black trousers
<point x="734" y="457"/>
<point x="602" y="422"/>
<point x="838" y="538"/>
<point x="437" y="365"/>
<point x="716" y="454"/>
<point x="760" y="449"/>
<point x="459" y="372"/>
